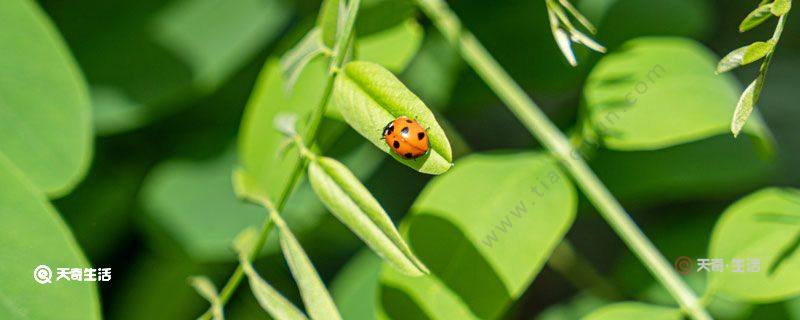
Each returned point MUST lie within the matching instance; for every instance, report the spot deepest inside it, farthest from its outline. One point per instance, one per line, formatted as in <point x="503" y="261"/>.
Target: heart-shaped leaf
<point x="369" y="97"/>
<point x="352" y="203"/>
<point x="756" y="17"/>
<point x="634" y="311"/>
<point x="767" y="252"/>
<point x="659" y="92"/>
<point x="745" y="55"/>
<point x="316" y="298"/>
<point x="485" y="230"/>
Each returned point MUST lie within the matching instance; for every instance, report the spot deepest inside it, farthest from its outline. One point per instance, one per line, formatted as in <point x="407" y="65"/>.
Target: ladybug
<point x="406" y="137"/>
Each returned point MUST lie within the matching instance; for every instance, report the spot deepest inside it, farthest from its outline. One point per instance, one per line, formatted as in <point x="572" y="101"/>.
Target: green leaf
<point x="328" y="20"/>
<point x="45" y="126"/>
<point x="744" y="108"/>
<point x="757" y="50"/>
<point x="270" y="299"/>
<point x="392" y="48"/>
<point x="740" y="233"/>
<point x="745" y="55"/>
<point x="781" y="218"/>
<point x="316" y="298"/>
<point x="351" y="202"/>
<point x="35" y="235"/>
<point x="756" y="17"/>
<point x="485" y="230"/>
<point x="781" y="7"/>
<point x="296" y="59"/>
<point x="370" y="97"/>
<point x="634" y="311"/>
<point x="206" y="288"/>
<point x="378" y="15"/>
<point x="657" y="92"/>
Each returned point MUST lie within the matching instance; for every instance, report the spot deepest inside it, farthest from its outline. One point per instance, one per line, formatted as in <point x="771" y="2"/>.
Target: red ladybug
<point x="406" y="137"/>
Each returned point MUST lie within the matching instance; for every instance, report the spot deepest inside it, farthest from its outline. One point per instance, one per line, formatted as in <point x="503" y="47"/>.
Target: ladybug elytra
<point x="406" y="137"/>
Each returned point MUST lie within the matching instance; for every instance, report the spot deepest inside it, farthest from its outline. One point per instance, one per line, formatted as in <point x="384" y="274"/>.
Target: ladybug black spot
<point x="404" y="131"/>
<point x="396" y="144"/>
<point x="409" y="120"/>
<point x="408" y="155"/>
<point x="420" y="135"/>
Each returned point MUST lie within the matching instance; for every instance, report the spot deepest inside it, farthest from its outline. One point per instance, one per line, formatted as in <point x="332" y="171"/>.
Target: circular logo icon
<point x="42" y="274"/>
<point x="684" y="265"/>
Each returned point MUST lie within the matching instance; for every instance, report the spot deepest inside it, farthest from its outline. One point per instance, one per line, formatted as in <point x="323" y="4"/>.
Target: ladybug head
<point x="388" y="129"/>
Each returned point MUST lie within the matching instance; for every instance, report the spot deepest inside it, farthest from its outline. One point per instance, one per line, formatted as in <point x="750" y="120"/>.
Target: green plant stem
<point x="549" y="135"/>
<point x="345" y="37"/>
<point x="762" y="70"/>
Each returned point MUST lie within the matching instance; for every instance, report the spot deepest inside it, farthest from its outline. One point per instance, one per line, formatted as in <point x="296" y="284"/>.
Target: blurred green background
<point x="169" y="81"/>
